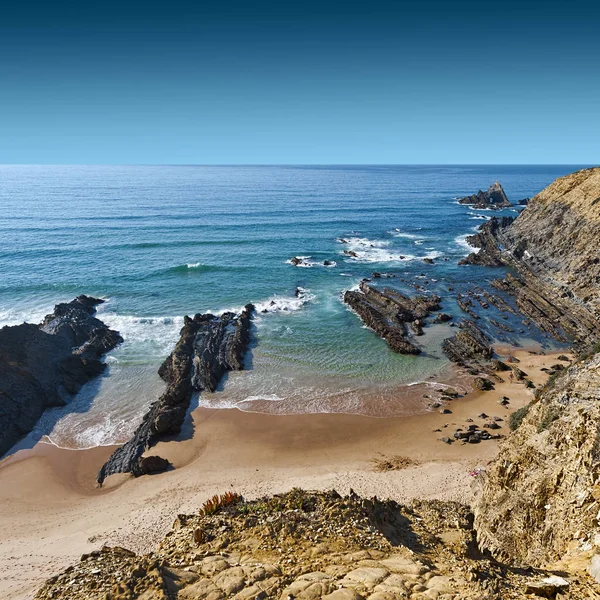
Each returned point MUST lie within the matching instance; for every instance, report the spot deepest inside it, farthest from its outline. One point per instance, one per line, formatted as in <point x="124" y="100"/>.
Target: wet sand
<point x="51" y="510"/>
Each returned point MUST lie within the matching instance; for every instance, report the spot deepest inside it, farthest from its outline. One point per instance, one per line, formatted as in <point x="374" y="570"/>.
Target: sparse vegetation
<point x="550" y="415"/>
<point x="394" y="463"/>
<point x="517" y="417"/>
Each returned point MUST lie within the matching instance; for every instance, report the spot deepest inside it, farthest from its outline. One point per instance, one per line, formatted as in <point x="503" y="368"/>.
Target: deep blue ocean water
<point x="159" y="242"/>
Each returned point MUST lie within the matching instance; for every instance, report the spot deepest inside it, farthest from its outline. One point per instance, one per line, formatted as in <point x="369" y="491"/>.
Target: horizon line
<point x="357" y="164"/>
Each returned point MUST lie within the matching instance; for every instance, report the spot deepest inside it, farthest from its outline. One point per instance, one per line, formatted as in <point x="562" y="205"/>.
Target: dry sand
<point x="51" y="511"/>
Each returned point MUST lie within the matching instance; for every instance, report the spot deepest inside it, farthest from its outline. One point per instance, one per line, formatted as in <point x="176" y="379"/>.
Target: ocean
<point x="160" y="242"/>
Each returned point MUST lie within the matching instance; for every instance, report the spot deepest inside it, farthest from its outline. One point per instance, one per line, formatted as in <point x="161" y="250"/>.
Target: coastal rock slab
<point x="45" y="365"/>
<point x="389" y="313"/>
<point x="209" y="346"/>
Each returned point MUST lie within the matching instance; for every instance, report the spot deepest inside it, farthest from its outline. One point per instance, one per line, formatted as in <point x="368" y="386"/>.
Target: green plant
<point x="517" y="417"/>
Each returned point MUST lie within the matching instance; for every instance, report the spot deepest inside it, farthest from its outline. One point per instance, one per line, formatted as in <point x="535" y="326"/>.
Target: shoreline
<point x="52" y="511"/>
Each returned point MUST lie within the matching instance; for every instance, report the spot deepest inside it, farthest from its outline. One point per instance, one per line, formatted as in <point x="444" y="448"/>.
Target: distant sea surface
<point x="160" y="242"/>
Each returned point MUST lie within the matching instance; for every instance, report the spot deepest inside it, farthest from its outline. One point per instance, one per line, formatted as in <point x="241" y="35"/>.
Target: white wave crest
<point x="461" y="240"/>
<point x="285" y="303"/>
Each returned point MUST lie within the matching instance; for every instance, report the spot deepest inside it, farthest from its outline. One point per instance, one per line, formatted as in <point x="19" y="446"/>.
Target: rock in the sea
<point x="209" y="346"/>
<point x="45" y="365"/>
<point x="388" y="313"/>
<point x="494" y="197"/>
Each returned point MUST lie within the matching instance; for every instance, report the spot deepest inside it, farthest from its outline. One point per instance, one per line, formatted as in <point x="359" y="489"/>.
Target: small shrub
<point x="216" y="503"/>
<point x="517" y="417"/>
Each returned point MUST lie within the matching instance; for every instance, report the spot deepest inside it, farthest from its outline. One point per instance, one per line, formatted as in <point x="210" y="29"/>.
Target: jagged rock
<point x="296" y="261"/>
<point x="483" y="384"/>
<point x="498" y="365"/>
<point x="468" y="346"/>
<point x="45" y="365"/>
<point x="493" y="197"/>
<point x="388" y="312"/>
<point x="152" y="464"/>
<point x="442" y="318"/>
<point x="429" y="261"/>
<point x="209" y="346"/>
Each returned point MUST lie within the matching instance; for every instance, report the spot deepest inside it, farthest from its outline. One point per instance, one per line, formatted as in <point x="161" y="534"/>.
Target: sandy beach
<point x="51" y="510"/>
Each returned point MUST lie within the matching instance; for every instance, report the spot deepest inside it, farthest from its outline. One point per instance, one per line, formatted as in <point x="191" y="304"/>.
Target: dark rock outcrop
<point x="209" y="346"/>
<point x="389" y="314"/>
<point x="494" y="197"/>
<point x="469" y="346"/>
<point x="45" y="365"/>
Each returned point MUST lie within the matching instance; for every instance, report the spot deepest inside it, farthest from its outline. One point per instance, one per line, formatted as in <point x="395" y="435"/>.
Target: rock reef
<point x="208" y="347"/>
<point x="494" y="197"/>
<point x="45" y="365"/>
<point x="390" y="314"/>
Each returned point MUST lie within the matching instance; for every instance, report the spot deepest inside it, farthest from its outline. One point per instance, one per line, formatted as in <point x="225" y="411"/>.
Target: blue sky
<point x="300" y="82"/>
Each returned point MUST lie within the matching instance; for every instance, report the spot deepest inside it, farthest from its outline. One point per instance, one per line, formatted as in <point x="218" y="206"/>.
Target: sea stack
<point x="494" y="198"/>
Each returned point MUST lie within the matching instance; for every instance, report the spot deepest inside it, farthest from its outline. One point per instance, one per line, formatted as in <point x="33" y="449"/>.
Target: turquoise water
<point x="161" y="242"/>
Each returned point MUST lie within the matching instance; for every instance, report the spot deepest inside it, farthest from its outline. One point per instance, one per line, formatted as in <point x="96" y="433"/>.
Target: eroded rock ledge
<point x="209" y="346"/>
<point x="45" y="365"/>
<point x="389" y="314"/>
<point x="310" y="545"/>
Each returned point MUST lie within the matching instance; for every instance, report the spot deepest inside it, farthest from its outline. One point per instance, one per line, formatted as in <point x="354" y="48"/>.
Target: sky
<point x="300" y="82"/>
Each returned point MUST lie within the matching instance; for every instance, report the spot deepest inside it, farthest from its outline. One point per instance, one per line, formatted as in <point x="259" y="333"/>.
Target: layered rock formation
<point x="389" y="314"/>
<point x="45" y="365"/>
<point x="309" y="546"/>
<point x="209" y="346"/>
<point x="553" y="248"/>
<point x="494" y="197"/>
<point x="540" y="500"/>
<point x="469" y="346"/>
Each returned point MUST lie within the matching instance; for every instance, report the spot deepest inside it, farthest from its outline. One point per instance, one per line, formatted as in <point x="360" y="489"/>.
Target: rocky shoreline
<point x="45" y="365"/>
<point x="208" y="347"/>
<point x="553" y="249"/>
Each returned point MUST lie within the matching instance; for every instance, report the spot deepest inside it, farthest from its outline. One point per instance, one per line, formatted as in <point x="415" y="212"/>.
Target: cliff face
<point x="540" y="500"/>
<point x="553" y="246"/>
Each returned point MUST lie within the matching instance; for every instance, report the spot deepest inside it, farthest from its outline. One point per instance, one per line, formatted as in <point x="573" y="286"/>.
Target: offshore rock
<point x="388" y="312"/>
<point x="208" y="347"/>
<point x="45" y="365"/>
<point x="553" y="248"/>
<point x="494" y="197"/>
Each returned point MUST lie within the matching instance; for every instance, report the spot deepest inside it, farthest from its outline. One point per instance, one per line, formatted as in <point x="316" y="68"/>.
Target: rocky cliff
<point x="539" y="502"/>
<point x="553" y="248"/>
<point x="45" y="365"/>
